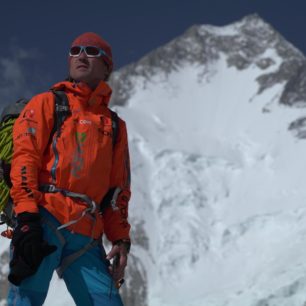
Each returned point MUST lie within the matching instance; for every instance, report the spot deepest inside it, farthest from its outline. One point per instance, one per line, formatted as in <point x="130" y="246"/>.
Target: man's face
<point x="90" y="70"/>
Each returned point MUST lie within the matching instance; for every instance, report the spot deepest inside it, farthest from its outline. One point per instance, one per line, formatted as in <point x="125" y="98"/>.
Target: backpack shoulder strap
<point x="61" y="112"/>
<point x="115" y="126"/>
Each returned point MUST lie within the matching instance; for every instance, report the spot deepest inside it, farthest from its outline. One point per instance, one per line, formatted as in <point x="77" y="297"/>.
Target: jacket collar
<point x="100" y="96"/>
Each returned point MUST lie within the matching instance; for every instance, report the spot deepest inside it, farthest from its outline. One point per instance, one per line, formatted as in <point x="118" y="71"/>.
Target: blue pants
<point x="87" y="278"/>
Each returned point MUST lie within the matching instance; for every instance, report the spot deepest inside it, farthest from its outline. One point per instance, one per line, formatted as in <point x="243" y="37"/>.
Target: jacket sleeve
<point x="116" y="224"/>
<point x="30" y="137"/>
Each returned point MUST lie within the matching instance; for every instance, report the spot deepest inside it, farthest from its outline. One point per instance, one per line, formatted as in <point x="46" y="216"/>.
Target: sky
<point x="36" y="35"/>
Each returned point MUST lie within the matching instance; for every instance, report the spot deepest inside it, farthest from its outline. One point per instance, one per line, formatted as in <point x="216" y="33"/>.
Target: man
<point x="61" y="182"/>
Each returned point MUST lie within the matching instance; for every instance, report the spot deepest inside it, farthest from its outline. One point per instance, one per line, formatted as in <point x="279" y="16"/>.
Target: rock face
<point x="4" y="258"/>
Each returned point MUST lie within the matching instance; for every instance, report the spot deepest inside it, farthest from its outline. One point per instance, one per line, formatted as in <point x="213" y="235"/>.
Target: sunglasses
<point x="90" y="51"/>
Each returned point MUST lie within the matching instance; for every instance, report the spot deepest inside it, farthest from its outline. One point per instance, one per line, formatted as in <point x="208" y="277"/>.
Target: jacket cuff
<point x="118" y="234"/>
<point x="126" y="242"/>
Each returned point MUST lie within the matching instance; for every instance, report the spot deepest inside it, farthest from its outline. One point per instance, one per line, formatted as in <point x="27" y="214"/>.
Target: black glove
<point x="29" y="248"/>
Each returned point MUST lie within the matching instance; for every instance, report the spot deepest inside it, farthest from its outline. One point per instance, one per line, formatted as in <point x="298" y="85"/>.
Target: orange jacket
<point x="87" y="162"/>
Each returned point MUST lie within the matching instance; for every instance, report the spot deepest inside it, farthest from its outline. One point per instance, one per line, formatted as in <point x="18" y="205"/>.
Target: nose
<point x="83" y="54"/>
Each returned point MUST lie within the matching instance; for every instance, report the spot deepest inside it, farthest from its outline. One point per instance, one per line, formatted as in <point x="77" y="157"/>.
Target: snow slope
<point x="225" y="187"/>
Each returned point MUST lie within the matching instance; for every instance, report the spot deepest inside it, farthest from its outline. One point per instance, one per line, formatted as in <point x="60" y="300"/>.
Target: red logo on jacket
<point x="29" y="113"/>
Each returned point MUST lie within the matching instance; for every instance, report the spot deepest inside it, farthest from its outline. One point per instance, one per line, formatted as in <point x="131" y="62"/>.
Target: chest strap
<point x="92" y="206"/>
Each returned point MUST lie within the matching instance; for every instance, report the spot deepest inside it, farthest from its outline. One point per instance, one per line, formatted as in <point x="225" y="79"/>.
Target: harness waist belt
<point x="92" y="206"/>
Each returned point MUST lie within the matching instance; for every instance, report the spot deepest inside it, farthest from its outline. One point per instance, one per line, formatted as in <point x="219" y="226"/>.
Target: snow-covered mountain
<point x="216" y="123"/>
<point x="219" y="196"/>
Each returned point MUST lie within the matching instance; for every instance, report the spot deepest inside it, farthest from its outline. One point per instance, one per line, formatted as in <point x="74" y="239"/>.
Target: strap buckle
<point x="51" y="188"/>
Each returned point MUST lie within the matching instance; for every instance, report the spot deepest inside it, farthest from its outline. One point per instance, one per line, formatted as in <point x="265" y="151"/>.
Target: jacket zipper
<point x="56" y="159"/>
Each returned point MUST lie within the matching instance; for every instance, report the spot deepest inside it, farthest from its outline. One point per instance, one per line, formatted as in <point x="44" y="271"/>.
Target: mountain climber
<point x="70" y="185"/>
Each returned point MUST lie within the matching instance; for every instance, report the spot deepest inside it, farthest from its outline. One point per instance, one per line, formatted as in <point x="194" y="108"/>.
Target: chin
<point x="80" y="78"/>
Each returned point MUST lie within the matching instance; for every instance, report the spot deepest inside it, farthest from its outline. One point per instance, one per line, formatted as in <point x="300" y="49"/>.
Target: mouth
<point x="82" y="66"/>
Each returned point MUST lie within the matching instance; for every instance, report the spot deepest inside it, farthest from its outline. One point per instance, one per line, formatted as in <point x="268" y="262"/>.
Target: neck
<point x="93" y="85"/>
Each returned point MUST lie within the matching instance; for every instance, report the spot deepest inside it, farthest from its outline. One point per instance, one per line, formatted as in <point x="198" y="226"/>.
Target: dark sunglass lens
<point x="76" y="50"/>
<point x="92" y="51"/>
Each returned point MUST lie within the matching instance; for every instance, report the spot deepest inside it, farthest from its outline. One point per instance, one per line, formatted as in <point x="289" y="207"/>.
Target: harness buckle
<point x="93" y="207"/>
<point x="114" y="204"/>
<point x="51" y="188"/>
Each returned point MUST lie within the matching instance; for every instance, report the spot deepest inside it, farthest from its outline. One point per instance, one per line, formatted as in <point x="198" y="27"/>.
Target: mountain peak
<point x="249" y="41"/>
<point x="251" y="22"/>
<point x="254" y="19"/>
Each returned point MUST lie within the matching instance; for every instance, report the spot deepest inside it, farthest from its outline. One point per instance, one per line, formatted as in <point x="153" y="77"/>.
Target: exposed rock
<point x="4" y="259"/>
<point x="298" y="128"/>
<point x="135" y="292"/>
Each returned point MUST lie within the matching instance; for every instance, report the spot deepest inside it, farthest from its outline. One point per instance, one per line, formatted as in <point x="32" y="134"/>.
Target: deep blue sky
<point x="45" y="29"/>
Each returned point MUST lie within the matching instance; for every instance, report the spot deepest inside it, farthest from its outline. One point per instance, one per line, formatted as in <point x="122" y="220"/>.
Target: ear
<point x="107" y="76"/>
<point x="107" y="71"/>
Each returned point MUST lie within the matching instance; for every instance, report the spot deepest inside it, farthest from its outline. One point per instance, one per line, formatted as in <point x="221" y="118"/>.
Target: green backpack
<point x="6" y="151"/>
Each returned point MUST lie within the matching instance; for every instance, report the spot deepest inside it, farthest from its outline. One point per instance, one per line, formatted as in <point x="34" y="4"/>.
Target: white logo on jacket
<point x="84" y="121"/>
